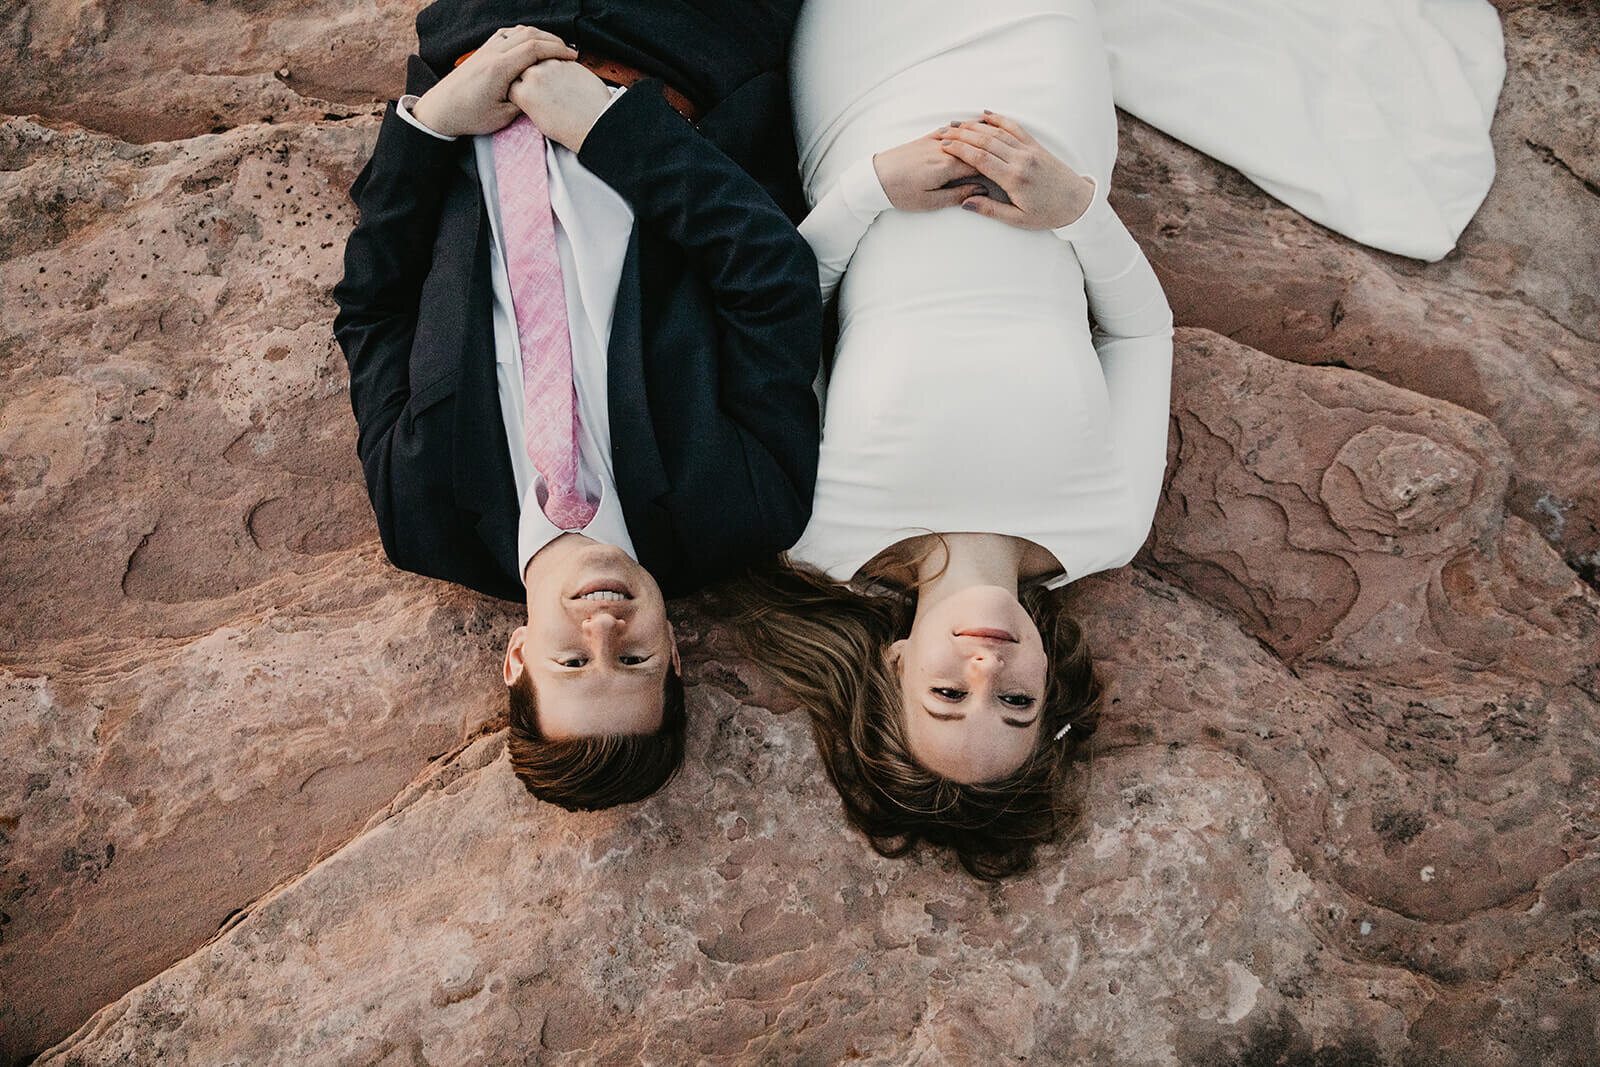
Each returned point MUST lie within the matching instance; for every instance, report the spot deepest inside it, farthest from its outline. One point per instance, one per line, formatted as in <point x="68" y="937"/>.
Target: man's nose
<point x="602" y="629"/>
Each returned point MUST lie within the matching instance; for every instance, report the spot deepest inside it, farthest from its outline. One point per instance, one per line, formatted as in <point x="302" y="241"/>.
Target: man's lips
<point x="603" y="585"/>
<point x="988" y="634"/>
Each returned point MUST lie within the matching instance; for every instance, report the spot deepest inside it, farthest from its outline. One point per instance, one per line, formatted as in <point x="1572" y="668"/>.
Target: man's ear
<point x="515" y="649"/>
<point x="672" y="640"/>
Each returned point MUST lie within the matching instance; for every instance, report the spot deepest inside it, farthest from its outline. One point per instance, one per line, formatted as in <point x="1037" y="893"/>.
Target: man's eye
<point x="574" y="661"/>
<point x="949" y="693"/>
<point x="632" y="661"/>
<point x="1017" y="700"/>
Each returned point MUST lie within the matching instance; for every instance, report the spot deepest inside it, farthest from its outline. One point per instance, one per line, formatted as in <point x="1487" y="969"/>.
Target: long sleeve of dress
<point x="840" y="219"/>
<point x="1133" y="338"/>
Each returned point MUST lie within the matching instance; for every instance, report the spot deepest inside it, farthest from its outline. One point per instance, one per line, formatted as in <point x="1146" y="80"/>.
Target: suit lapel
<point x="635" y="459"/>
<point x="481" y="473"/>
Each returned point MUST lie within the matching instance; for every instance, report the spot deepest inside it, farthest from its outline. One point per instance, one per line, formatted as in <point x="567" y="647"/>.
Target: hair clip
<point x="1063" y="731"/>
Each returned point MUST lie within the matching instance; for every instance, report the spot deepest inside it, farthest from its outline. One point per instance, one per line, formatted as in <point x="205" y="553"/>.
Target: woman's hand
<point x="1045" y="193"/>
<point x="562" y="98"/>
<point x="917" y="176"/>
<point x="474" y="98"/>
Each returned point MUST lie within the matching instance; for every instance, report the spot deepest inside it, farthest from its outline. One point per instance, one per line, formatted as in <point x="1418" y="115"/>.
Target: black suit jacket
<point x="714" y="343"/>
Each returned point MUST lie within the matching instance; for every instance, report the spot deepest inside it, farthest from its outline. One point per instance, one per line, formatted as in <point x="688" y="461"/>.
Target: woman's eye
<point x="1017" y="700"/>
<point x="632" y="661"/>
<point x="948" y="693"/>
<point x="574" y="661"/>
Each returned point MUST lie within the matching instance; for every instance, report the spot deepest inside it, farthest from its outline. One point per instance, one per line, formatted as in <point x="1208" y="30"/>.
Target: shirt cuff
<point x="403" y="109"/>
<point x="862" y="191"/>
<point x="1091" y="214"/>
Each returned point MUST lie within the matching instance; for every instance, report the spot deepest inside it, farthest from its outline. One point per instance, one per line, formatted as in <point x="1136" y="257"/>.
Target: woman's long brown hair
<point x="824" y="641"/>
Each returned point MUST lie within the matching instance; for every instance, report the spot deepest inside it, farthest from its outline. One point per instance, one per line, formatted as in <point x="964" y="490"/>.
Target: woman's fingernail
<point x="953" y="122"/>
<point x="968" y="205"/>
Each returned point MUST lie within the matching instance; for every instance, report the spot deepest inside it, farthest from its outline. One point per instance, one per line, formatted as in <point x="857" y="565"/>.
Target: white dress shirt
<point x="592" y="226"/>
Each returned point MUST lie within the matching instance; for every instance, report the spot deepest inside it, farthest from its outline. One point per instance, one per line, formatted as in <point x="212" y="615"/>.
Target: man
<point x="673" y="290"/>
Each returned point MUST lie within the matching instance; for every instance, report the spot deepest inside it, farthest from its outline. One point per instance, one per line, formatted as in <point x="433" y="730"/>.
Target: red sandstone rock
<point x="149" y="72"/>
<point x="1343" y="803"/>
<point x="210" y="676"/>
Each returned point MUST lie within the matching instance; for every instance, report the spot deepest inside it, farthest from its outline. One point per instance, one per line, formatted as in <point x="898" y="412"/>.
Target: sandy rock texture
<point x="148" y="72"/>
<point x="254" y="803"/>
<point x="211" y="678"/>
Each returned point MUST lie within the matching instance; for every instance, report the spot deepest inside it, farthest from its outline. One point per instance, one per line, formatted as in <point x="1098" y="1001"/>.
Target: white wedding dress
<point x="967" y="392"/>
<point x="1368" y="116"/>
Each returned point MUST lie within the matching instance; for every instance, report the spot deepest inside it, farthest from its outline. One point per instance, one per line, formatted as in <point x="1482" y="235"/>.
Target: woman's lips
<point x="988" y="634"/>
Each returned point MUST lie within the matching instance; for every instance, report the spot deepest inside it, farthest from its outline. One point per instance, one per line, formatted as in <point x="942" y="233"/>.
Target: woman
<point x="980" y="448"/>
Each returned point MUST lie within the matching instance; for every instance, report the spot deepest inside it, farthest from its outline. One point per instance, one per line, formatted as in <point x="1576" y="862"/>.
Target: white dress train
<point x="1368" y="116"/>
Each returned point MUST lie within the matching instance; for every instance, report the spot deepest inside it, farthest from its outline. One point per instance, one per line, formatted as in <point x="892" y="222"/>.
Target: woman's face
<point x="972" y="677"/>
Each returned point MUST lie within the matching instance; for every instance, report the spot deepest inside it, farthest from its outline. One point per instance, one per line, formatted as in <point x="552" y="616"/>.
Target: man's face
<point x="597" y="645"/>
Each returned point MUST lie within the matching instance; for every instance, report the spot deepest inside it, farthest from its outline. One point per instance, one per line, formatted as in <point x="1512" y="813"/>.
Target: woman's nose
<point x="986" y="662"/>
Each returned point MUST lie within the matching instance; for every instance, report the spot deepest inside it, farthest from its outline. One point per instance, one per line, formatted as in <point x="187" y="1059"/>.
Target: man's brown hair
<point x="591" y="773"/>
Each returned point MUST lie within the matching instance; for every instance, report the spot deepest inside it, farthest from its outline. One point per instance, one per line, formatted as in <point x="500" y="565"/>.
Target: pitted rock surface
<point x="1343" y="806"/>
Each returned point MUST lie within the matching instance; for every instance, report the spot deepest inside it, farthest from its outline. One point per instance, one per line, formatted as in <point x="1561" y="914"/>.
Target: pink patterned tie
<point x="549" y="404"/>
